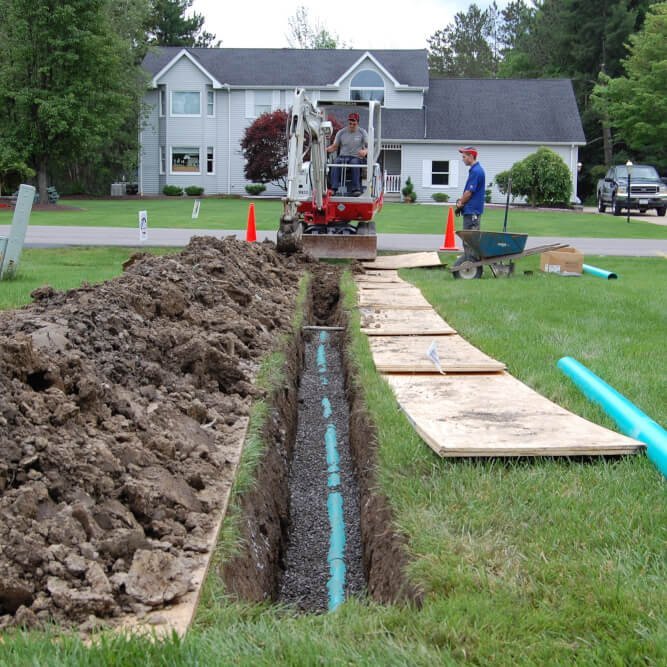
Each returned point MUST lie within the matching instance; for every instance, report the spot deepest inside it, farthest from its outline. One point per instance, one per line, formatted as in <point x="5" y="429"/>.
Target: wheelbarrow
<point x="497" y="250"/>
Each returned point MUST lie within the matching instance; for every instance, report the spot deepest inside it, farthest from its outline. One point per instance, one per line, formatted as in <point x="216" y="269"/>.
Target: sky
<point x="373" y="24"/>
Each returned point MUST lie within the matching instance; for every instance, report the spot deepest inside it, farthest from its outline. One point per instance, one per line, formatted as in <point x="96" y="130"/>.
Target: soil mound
<point x="120" y="405"/>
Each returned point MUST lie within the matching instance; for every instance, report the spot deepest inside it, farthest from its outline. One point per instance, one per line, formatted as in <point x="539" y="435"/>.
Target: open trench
<point x="314" y="530"/>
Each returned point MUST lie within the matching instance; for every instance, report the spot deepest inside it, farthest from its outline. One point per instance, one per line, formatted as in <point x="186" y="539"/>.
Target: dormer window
<point x="367" y="85"/>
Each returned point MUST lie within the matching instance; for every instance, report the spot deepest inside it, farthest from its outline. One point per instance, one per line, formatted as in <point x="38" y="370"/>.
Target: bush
<point x="408" y="191"/>
<point x="542" y="177"/>
<point x="172" y="191"/>
<point x="194" y="190"/>
<point x="255" y="189"/>
<point x="440" y="196"/>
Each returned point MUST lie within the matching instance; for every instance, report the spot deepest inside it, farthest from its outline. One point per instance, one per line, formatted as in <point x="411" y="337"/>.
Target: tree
<point x="304" y="35"/>
<point x="168" y="26"/>
<point x="68" y="81"/>
<point x="635" y="103"/>
<point x="542" y="177"/>
<point x="462" y="49"/>
<point x="264" y="147"/>
<point x="13" y="169"/>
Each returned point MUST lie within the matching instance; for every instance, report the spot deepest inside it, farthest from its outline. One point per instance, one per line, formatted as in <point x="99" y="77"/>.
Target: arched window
<point x="367" y="85"/>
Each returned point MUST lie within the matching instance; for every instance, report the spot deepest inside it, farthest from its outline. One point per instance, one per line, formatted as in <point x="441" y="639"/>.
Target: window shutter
<point x="454" y="173"/>
<point x="275" y="100"/>
<point x="427" y="173"/>
<point x="249" y="103"/>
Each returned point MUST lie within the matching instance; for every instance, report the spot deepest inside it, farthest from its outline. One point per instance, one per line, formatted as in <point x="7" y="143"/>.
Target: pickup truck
<point x="647" y="190"/>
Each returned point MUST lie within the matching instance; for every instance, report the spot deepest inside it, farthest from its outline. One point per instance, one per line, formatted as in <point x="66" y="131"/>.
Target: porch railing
<point x="392" y="183"/>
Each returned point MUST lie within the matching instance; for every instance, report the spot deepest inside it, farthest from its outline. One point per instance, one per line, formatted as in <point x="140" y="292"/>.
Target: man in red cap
<point x="471" y="202"/>
<point x="352" y="145"/>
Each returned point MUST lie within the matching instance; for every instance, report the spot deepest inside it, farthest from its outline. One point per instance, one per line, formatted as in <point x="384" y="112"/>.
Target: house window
<point x="163" y="159"/>
<point x="162" y="100"/>
<point x="263" y="99"/>
<point x="185" y="160"/>
<point x="185" y="103"/>
<point x="210" y="103"/>
<point x="367" y="85"/>
<point x="440" y="172"/>
<point x="210" y="161"/>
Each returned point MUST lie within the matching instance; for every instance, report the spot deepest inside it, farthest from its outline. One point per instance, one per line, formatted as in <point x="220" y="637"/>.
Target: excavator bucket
<point x="362" y="245"/>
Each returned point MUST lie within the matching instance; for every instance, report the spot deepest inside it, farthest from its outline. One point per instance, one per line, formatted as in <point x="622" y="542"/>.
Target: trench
<point x="314" y="529"/>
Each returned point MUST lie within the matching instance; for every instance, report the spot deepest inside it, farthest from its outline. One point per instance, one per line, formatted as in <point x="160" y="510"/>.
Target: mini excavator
<point x="324" y="225"/>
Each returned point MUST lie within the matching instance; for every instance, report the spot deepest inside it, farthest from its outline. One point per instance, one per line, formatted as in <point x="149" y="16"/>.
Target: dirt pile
<point x="120" y="408"/>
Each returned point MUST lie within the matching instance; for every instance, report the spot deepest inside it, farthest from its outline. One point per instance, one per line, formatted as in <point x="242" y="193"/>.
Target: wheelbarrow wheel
<point x="464" y="269"/>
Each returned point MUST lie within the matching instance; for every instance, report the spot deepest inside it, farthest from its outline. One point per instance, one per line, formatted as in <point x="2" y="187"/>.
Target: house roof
<point x="294" y="67"/>
<point x="540" y="110"/>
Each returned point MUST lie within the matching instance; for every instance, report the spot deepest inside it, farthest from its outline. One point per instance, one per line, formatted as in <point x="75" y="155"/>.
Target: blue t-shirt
<point x="476" y="184"/>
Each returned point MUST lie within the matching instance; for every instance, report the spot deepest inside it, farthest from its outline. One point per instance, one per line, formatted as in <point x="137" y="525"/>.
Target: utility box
<point x="564" y="262"/>
<point x="118" y="189"/>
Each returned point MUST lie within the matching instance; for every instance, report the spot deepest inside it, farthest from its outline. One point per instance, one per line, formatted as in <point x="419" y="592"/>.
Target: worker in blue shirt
<point x="471" y="202"/>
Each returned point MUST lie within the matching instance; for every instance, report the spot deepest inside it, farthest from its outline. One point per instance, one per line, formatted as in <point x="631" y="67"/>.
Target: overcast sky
<point x="361" y="24"/>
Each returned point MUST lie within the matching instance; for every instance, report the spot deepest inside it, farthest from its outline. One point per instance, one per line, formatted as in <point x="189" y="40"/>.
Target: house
<point x="201" y="100"/>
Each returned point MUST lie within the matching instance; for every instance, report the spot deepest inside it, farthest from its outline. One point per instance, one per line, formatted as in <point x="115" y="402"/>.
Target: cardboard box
<point x="564" y="262"/>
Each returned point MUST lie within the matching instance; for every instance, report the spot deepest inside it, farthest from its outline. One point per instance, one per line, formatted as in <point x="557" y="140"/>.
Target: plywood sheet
<point x="393" y="322"/>
<point x="409" y="261"/>
<point x="408" y="299"/>
<point x="496" y="415"/>
<point x="375" y="276"/>
<point x="408" y="354"/>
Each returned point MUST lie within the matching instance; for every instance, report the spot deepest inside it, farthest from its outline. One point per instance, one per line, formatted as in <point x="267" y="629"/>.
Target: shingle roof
<point x="294" y="67"/>
<point x="543" y="110"/>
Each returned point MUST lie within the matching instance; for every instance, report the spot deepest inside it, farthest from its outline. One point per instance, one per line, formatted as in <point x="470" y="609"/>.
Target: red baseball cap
<point x="353" y="116"/>
<point x="469" y="149"/>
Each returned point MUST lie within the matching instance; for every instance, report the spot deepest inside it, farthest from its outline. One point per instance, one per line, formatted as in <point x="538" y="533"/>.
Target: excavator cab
<point x="314" y="219"/>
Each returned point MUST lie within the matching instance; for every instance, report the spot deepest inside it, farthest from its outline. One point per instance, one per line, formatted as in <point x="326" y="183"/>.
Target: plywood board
<point x="393" y="322"/>
<point x="496" y="415"/>
<point x="376" y="284"/>
<point x="398" y="299"/>
<point x="410" y="261"/>
<point x="408" y="354"/>
<point x="372" y="276"/>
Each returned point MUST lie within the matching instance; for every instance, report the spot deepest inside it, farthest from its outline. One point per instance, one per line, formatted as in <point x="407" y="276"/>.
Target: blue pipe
<point x="600" y="273"/>
<point x="336" y="555"/>
<point x="630" y="419"/>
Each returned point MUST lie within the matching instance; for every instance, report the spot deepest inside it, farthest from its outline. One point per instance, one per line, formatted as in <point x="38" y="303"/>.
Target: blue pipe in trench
<point x="336" y="555"/>
<point x="600" y="273"/>
<point x="630" y="419"/>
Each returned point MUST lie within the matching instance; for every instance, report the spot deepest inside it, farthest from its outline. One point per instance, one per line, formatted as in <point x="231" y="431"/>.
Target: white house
<point x="201" y="100"/>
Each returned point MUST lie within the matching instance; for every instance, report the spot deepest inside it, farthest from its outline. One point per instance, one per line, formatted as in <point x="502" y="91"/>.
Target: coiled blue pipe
<point x="600" y="273"/>
<point x="630" y="419"/>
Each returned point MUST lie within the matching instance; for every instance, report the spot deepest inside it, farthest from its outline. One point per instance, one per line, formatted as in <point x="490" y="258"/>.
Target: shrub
<point x="408" y="191"/>
<point x="194" y="190"/>
<point x="255" y="189"/>
<point x="542" y="177"/>
<point x="172" y="190"/>
<point x="440" y="196"/>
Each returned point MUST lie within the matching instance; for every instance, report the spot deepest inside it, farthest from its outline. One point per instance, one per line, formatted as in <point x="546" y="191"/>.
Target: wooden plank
<point x="393" y="322"/>
<point x="372" y="276"/>
<point x="178" y="617"/>
<point x="409" y="261"/>
<point x="407" y="354"/>
<point x="496" y="415"/>
<point x="398" y="299"/>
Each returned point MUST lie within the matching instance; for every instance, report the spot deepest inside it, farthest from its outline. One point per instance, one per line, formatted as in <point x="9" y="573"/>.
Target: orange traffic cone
<point x="251" y="231"/>
<point x="450" y="241"/>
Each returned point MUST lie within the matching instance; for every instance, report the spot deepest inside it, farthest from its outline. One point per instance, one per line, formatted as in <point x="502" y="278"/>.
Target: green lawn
<point x="522" y="562"/>
<point x="218" y="213"/>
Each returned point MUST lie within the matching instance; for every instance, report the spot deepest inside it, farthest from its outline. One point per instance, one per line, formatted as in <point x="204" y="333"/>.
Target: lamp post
<point x="628" y="166"/>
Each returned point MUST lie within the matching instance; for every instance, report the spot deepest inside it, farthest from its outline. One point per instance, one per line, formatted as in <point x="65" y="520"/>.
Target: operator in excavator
<point x="351" y="142"/>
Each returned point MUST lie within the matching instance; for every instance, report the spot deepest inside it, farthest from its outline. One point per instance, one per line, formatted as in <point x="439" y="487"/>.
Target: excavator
<point x="313" y="219"/>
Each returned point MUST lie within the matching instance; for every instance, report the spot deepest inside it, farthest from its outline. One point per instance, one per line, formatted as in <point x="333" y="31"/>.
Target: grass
<point x="395" y="218"/>
<point x="530" y="562"/>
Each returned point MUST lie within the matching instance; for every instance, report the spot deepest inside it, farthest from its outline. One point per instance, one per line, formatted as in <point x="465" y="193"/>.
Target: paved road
<point x="46" y="236"/>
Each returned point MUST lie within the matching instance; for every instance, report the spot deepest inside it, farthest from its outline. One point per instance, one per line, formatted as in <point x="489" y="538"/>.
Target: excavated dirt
<point x="121" y="408"/>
